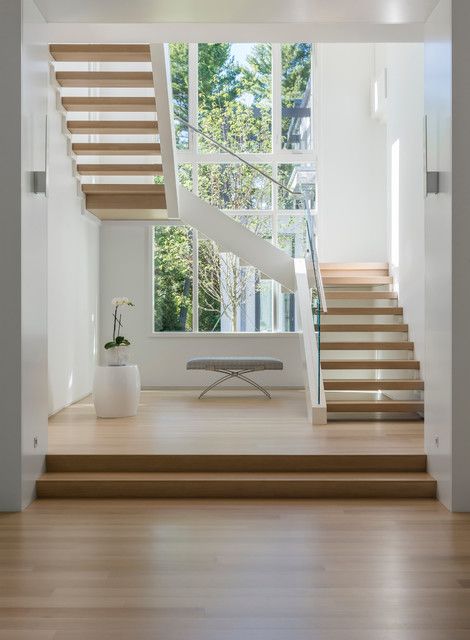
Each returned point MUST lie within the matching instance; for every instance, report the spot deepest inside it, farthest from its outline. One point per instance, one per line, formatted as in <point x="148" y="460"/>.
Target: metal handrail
<point x="298" y="194"/>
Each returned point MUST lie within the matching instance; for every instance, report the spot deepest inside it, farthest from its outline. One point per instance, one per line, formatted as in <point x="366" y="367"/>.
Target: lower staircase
<point x="368" y="361"/>
<point x="236" y="476"/>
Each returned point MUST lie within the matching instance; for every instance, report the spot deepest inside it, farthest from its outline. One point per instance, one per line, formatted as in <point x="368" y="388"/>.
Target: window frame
<point x="278" y="156"/>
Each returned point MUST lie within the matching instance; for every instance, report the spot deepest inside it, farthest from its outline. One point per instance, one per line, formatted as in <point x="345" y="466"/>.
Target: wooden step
<point x="104" y="78"/>
<point x="399" y="327"/>
<point x="155" y="189"/>
<point x="367" y="346"/>
<point x="338" y="273"/>
<point x="113" y="127"/>
<point x="120" y="169"/>
<point x="354" y="266"/>
<point x="375" y="406"/>
<point x="106" y="104"/>
<point x="331" y="294"/>
<point x="100" y="52"/>
<point x="127" y="206"/>
<point x="236" y="485"/>
<point x="365" y="311"/>
<point x="116" y="149"/>
<point x="370" y="364"/>
<point x="372" y="385"/>
<point x="356" y="280"/>
<point x="235" y="462"/>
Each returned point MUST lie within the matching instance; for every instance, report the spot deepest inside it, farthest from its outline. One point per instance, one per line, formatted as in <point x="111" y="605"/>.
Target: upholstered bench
<point x="235" y="367"/>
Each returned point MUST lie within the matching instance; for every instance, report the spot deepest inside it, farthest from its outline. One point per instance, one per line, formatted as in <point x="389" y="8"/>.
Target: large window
<point x="257" y="100"/>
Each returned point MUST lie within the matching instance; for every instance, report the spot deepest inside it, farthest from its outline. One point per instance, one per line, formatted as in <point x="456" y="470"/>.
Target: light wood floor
<point x="232" y="570"/>
<point x="228" y="422"/>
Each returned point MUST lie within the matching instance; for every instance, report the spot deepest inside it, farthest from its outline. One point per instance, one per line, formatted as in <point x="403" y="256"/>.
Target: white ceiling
<point x="388" y="12"/>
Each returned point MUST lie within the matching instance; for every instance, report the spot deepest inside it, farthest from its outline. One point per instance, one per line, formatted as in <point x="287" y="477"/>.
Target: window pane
<point x="262" y="225"/>
<point x="232" y="295"/>
<point x="172" y="278"/>
<point x="297" y="177"/>
<point x="185" y="176"/>
<point x="235" y="186"/>
<point x="235" y="96"/>
<point x="292" y="234"/>
<point x="296" y="96"/>
<point x="292" y="240"/>
<point x="179" y="82"/>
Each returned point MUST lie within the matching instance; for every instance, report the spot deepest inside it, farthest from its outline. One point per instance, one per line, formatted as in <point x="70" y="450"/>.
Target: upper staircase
<point x="117" y="176"/>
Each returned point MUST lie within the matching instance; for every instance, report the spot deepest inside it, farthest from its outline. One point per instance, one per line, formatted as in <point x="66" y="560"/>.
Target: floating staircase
<point x="102" y="108"/>
<point x="368" y="361"/>
<point x="236" y="476"/>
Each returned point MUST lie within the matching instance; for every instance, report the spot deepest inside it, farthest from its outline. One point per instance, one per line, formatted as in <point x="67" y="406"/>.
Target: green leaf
<point x="125" y="342"/>
<point x="110" y="345"/>
<point x="119" y="340"/>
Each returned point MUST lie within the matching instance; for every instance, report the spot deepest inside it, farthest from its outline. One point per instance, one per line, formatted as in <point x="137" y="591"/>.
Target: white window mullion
<point x="276" y="104"/>
<point x="195" y="296"/>
<point x="193" y="81"/>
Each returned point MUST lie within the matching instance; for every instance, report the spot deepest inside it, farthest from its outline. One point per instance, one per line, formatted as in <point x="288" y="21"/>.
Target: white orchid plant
<point x="118" y="340"/>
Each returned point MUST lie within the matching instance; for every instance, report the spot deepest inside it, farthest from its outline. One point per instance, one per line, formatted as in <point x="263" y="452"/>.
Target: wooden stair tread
<point x="370" y="364"/>
<point x="365" y="311"/>
<point x="235" y="462"/>
<point x="237" y="485"/>
<point x="206" y="476"/>
<point x="120" y="169"/>
<point x="378" y="406"/>
<point x="353" y="266"/>
<point x="107" y="104"/>
<point x="365" y="328"/>
<point x="123" y="188"/>
<point x="368" y="346"/>
<point x="332" y="294"/>
<point x="104" y="78"/>
<point x="116" y="148"/>
<point x="114" y="127"/>
<point x="356" y="280"/>
<point x="353" y="384"/>
<point x="100" y="52"/>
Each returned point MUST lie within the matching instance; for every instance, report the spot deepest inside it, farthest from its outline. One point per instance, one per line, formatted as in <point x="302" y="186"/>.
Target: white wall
<point x="126" y="270"/>
<point x="438" y="253"/>
<point x="10" y="256"/>
<point x="352" y="160"/>
<point x="34" y="80"/>
<point x="404" y="124"/>
<point x="23" y="69"/>
<point x="73" y="276"/>
<point x="460" y="255"/>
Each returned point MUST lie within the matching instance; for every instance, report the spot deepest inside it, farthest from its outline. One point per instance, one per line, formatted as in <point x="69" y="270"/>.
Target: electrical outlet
<point x="35" y="442"/>
<point x="436" y="441"/>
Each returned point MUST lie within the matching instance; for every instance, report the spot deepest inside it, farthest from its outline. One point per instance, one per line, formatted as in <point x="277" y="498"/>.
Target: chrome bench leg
<point x="236" y="374"/>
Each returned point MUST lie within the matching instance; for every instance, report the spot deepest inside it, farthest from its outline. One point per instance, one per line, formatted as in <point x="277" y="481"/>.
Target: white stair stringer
<point x="233" y="236"/>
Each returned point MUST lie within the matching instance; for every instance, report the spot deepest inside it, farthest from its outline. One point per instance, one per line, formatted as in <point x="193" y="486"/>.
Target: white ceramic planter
<point x="117" y="356"/>
<point x="116" y="391"/>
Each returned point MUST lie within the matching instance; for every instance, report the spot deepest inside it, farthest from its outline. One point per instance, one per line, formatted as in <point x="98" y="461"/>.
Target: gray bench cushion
<point x="234" y="363"/>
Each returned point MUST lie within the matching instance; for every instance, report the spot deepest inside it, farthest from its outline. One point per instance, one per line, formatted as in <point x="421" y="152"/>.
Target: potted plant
<point x="117" y="349"/>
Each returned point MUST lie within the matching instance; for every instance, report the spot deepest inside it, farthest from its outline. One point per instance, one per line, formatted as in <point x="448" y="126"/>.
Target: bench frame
<point x="235" y="373"/>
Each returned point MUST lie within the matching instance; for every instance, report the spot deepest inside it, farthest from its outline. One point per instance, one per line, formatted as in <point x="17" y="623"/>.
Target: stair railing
<point x="313" y="281"/>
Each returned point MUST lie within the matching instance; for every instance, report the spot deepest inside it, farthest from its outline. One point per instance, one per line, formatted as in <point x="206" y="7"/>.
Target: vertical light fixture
<point x="395" y="203"/>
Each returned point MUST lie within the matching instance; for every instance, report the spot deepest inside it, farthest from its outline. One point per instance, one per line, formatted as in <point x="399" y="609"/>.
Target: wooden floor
<point x="176" y="422"/>
<point x="234" y="570"/>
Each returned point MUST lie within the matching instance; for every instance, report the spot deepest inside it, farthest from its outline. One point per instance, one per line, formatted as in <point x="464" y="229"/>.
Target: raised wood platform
<point x="236" y="485"/>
